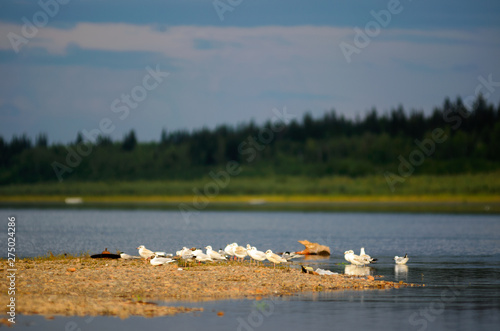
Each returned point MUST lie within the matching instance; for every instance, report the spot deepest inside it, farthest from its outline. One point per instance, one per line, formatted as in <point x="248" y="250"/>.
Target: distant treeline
<point x="452" y="139"/>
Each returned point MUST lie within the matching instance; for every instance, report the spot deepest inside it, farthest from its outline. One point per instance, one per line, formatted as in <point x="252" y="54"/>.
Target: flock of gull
<point x="239" y="253"/>
<point x="232" y="251"/>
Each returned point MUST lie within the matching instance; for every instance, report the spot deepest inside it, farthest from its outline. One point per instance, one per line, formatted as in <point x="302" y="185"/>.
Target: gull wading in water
<point x="274" y="258"/>
<point x="355" y="259"/>
<point x="401" y="259"/>
<point x="365" y="256"/>
<point x="290" y="255"/>
<point x="348" y="256"/>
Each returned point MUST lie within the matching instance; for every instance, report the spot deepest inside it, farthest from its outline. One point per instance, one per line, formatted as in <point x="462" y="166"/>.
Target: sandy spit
<point x="90" y="287"/>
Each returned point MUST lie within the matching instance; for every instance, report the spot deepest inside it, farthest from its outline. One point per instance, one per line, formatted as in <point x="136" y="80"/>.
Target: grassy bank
<point x="483" y="184"/>
<point x="464" y="193"/>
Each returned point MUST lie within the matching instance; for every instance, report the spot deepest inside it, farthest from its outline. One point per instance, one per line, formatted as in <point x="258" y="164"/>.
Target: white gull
<point x="274" y="258"/>
<point x="401" y="259"/>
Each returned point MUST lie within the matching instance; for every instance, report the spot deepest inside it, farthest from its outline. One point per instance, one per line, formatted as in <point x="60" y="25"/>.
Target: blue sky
<point x="85" y="57"/>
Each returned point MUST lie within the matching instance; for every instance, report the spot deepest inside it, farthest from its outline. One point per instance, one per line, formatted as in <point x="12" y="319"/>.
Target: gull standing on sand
<point x="196" y="251"/>
<point x="274" y="258"/>
<point x="255" y="254"/>
<point x="160" y="260"/>
<point x="201" y="257"/>
<point x="145" y="253"/>
<point x="179" y="253"/>
<point x="240" y="252"/>
<point x="229" y="250"/>
<point x="401" y="260"/>
<point x="365" y="256"/>
<point x="213" y="254"/>
<point x="185" y="254"/>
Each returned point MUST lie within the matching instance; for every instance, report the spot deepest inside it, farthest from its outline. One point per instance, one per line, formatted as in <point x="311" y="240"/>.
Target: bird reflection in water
<point x="355" y="270"/>
<point x="401" y="271"/>
<point x="316" y="257"/>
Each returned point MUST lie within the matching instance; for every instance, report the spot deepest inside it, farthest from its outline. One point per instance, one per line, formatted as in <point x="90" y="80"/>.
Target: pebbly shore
<point x="89" y="287"/>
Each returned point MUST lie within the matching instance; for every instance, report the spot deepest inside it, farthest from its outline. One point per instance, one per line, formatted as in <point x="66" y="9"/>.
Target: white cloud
<point x="233" y="74"/>
<point x="257" y="46"/>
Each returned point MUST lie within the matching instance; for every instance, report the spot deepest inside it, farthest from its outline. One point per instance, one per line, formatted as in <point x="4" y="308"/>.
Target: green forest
<point x="451" y="139"/>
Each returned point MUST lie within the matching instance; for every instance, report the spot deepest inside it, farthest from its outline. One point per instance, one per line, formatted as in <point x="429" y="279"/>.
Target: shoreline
<point x="480" y="204"/>
<point x="81" y="286"/>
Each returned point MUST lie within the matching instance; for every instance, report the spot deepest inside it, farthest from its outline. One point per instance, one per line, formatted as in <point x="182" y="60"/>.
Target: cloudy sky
<point x="112" y="66"/>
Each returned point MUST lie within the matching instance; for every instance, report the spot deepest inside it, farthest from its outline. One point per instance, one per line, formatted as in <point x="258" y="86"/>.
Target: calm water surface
<point x="456" y="256"/>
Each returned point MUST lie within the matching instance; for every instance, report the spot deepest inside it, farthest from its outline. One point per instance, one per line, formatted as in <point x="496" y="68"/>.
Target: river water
<point x="457" y="257"/>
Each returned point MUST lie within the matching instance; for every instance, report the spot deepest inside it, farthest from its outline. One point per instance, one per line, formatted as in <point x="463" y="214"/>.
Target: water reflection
<point x="355" y="270"/>
<point x="401" y="271"/>
<point x="315" y="257"/>
<point x="463" y="247"/>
